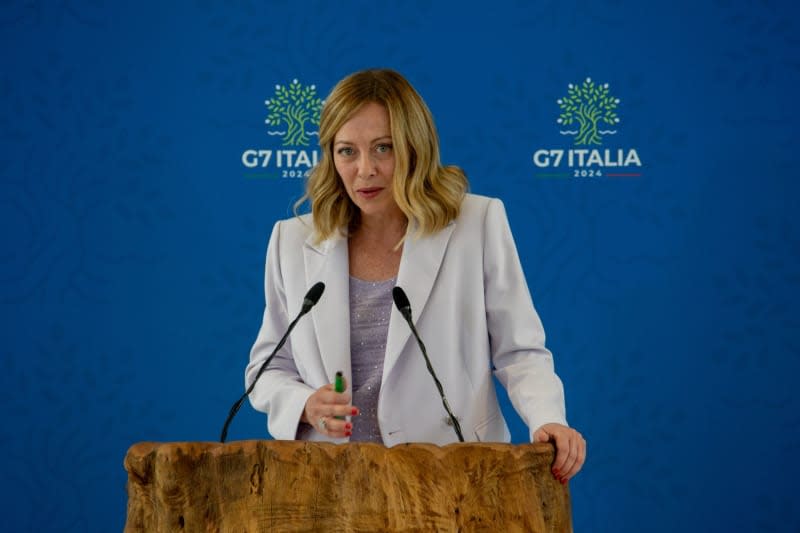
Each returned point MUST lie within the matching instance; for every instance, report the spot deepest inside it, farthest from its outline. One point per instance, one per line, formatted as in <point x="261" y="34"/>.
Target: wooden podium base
<point x="252" y="486"/>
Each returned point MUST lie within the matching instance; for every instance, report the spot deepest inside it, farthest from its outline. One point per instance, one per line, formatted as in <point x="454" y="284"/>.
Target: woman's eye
<point x="345" y="151"/>
<point x="383" y="148"/>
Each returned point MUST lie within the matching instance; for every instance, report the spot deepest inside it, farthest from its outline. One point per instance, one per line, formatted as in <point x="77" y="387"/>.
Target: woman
<point x="385" y="213"/>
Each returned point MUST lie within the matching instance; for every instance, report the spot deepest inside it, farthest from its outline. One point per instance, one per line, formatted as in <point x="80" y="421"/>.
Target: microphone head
<point x="312" y="297"/>
<point x="315" y="293"/>
<point x="401" y="301"/>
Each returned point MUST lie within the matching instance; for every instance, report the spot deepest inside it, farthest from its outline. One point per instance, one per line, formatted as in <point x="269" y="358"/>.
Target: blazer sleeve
<point x="280" y="392"/>
<point x="519" y="357"/>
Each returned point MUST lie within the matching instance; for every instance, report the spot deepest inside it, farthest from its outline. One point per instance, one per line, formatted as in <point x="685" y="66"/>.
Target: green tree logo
<point x="297" y="107"/>
<point x="588" y="104"/>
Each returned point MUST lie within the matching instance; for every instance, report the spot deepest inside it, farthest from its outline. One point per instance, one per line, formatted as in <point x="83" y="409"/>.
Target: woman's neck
<point x="375" y="248"/>
<point x="384" y="228"/>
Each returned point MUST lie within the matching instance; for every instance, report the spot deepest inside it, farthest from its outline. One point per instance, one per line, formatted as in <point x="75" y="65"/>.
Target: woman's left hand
<point x="570" y="449"/>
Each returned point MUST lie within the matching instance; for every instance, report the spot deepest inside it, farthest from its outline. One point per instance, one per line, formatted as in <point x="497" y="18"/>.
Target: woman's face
<point x="363" y="156"/>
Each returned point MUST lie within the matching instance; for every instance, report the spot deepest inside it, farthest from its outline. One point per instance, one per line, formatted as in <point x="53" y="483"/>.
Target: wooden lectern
<point x="252" y="486"/>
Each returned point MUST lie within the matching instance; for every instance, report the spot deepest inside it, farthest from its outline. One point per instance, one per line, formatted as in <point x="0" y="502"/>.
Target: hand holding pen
<point x="327" y="408"/>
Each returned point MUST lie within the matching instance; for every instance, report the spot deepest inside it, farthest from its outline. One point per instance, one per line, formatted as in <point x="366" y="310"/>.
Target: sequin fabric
<point x="370" y="309"/>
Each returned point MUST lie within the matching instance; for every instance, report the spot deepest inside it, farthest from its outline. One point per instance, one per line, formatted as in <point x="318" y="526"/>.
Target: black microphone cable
<point x="404" y="306"/>
<point x="312" y="297"/>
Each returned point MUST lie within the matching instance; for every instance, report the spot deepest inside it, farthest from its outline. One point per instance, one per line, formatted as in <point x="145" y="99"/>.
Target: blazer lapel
<point x="328" y="262"/>
<point x="419" y="267"/>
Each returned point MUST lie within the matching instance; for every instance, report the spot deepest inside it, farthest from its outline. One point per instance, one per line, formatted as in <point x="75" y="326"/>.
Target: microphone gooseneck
<point x="404" y="306"/>
<point x="311" y="298"/>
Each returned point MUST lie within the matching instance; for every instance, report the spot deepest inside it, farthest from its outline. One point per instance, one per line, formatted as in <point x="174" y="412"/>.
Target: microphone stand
<point x="404" y="306"/>
<point x="311" y="299"/>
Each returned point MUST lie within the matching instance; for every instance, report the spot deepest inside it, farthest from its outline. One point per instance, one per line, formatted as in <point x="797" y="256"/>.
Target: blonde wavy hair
<point x="428" y="193"/>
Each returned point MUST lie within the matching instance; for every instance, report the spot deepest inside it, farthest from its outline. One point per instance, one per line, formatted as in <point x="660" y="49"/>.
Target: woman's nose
<point x="366" y="165"/>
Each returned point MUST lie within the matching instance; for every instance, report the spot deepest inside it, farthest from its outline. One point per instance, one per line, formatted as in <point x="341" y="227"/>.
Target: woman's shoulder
<point x="477" y="205"/>
<point x="297" y="228"/>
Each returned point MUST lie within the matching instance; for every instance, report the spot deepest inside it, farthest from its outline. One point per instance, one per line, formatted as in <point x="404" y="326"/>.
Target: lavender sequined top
<point x="370" y="308"/>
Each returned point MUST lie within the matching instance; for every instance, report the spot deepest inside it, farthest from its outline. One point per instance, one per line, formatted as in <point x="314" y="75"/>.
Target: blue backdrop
<point x="134" y="233"/>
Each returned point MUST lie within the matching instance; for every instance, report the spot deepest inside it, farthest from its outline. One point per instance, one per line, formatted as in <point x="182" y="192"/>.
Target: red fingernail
<point x="355" y="411"/>
<point x="555" y="472"/>
<point x="348" y="426"/>
<point x="347" y="433"/>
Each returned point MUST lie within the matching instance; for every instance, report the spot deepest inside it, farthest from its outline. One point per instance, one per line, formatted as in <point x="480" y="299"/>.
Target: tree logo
<point x="293" y="114"/>
<point x="587" y="111"/>
<point x="588" y="105"/>
<point x="297" y="108"/>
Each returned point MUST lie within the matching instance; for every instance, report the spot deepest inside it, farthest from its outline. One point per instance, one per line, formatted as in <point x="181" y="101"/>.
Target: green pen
<point x="338" y="386"/>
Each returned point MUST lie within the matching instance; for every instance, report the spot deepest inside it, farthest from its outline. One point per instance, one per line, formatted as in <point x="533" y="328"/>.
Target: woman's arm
<point x="280" y="392"/>
<point x="522" y="363"/>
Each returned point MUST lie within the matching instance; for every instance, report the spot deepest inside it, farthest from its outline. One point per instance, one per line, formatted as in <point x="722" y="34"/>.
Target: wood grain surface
<point x="254" y="486"/>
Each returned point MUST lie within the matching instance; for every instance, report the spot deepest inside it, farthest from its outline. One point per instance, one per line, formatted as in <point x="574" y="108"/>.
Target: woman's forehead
<point x="371" y="122"/>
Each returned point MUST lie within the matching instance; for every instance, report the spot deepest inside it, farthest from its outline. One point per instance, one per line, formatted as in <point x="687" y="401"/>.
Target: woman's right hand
<point x="324" y="406"/>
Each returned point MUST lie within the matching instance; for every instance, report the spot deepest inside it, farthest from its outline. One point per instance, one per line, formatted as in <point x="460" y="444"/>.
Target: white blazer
<point x="470" y="304"/>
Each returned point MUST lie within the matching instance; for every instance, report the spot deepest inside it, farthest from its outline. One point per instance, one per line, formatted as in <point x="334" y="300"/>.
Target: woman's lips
<point x="369" y="192"/>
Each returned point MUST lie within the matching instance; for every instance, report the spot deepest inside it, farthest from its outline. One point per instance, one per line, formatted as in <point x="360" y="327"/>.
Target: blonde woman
<point x="386" y="213"/>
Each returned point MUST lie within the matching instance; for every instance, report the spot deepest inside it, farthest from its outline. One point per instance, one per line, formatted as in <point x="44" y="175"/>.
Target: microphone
<point x="404" y="306"/>
<point x="312" y="297"/>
